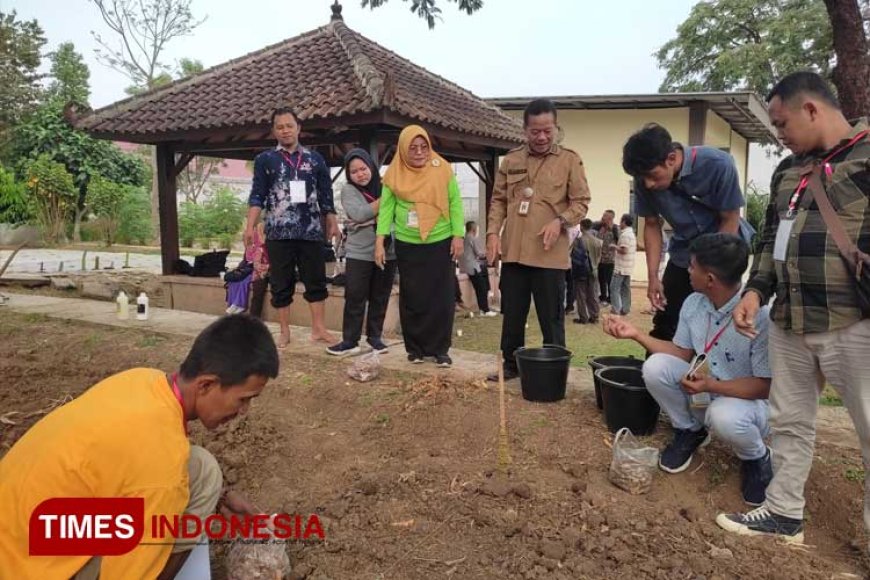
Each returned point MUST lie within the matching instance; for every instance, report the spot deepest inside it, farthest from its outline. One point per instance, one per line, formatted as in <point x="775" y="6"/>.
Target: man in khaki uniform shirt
<point x="540" y="191"/>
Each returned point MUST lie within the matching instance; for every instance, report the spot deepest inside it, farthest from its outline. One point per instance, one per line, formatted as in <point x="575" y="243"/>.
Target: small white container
<point x="143" y="311"/>
<point x="122" y="306"/>
<point x="459" y="332"/>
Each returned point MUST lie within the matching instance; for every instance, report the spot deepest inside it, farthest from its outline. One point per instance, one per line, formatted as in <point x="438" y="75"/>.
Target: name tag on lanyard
<point x="297" y="192"/>
<point x="413" y="219"/>
<point x="783" y="234"/>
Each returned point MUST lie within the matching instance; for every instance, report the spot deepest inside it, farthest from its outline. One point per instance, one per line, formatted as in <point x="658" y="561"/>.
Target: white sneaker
<point x="490" y="313"/>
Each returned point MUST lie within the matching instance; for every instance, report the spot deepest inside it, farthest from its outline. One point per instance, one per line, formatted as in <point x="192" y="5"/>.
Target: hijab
<point x="425" y="187"/>
<point x="373" y="187"/>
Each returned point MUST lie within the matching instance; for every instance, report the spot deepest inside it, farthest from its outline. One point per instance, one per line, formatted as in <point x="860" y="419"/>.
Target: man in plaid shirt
<point x="818" y="328"/>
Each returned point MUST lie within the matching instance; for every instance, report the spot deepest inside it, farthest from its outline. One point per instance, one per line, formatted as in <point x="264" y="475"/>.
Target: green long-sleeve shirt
<point x="395" y="211"/>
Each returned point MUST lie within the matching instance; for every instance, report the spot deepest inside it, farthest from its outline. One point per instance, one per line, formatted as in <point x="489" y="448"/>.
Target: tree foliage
<point x="70" y="76"/>
<point x="219" y="217"/>
<point x="106" y="200"/>
<point x="20" y="45"/>
<point x="53" y="194"/>
<point x="15" y="206"/>
<point x="746" y="44"/>
<point x="428" y="10"/>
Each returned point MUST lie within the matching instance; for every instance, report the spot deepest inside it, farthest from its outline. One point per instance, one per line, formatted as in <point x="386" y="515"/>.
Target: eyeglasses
<point x="419" y="148"/>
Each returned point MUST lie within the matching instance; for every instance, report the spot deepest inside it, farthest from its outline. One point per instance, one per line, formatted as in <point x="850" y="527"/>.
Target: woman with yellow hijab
<point x="420" y="199"/>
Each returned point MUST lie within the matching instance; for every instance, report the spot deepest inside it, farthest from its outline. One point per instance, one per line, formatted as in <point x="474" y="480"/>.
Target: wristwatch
<point x="564" y="222"/>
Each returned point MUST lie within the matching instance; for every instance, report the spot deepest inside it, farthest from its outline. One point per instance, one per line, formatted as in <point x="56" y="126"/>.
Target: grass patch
<point x="151" y="340"/>
<point x="855" y="474"/>
<point x="482" y="334"/>
<point x="830" y="398"/>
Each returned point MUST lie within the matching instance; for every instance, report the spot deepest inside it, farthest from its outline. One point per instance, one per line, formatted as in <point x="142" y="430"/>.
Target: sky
<point x="508" y="48"/>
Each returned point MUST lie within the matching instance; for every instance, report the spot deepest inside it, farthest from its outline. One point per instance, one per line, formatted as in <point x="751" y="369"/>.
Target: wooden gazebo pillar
<point x="167" y="191"/>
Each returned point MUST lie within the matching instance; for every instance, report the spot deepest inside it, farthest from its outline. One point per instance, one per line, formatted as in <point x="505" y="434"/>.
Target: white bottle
<point x="122" y="306"/>
<point x="142" y="310"/>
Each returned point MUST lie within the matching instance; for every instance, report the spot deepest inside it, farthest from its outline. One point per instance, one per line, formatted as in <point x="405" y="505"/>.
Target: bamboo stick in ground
<point x="504" y="454"/>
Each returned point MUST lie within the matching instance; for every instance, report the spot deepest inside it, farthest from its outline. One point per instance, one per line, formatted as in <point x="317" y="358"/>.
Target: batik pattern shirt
<point x="274" y="170"/>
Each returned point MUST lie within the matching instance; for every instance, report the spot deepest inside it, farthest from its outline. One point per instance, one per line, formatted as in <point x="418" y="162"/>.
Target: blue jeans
<point x="620" y="294"/>
<point x="740" y="423"/>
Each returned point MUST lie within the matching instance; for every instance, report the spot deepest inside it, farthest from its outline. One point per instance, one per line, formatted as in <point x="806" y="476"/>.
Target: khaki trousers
<point x="800" y="365"/>
<point x="206" y="482"/>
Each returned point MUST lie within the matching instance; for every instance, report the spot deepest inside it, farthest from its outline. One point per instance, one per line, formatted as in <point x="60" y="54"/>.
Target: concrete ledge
<point x="208" y="296"/>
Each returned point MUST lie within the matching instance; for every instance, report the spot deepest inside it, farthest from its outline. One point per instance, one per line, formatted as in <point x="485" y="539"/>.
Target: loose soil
<point x="403" y="473"/>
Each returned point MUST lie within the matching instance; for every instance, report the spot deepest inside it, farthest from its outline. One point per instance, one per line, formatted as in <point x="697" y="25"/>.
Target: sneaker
<point x="378" y="345"/>
<point x="755" y="476"/>
<point x="443" y="360"/>
<point x="761" y="522"/>
<point x="343" y="349"/>
<point x="415" y="359"/>
<point x="490" y="313"/>
<point x="578" y="321"/>
<point x="678" y="455"/>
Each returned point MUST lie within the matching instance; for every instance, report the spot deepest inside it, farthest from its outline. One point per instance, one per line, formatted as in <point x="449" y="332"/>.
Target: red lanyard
<point x="288" y="157"/>
<point x="369" y="198"/>
<point x="177" y="392"/>
<point x="709" y="345"/>
<point x="795" y="198"/>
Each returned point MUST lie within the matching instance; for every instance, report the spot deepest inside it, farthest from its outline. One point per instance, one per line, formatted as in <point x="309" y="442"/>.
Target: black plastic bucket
<point x="627" y="403"/>
<point x="543" y="372"/>
<point x="603" y="362"/>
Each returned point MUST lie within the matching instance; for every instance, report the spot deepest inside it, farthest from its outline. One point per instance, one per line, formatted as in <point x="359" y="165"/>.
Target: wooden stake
<point x="504" y="453"/>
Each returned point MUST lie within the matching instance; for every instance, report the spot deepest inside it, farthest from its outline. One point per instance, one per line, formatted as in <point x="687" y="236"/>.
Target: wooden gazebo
<point x="347" y="90"/>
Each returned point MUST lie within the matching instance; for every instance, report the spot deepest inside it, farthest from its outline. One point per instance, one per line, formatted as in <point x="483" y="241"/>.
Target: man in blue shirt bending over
<point x="697" y="191"/>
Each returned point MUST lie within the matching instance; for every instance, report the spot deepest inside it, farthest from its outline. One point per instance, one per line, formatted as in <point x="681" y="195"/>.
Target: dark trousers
<point x="587" y="299"/>
<point x="258" y="296"/>
<point x="677" y="287"/>
<point x="480" y="282"/>
<point x="285" y="256"/>
<point x="605" y="275"/>
<point x="366" y="284"/>
<point x="519" y="284"/>
<point x="427" y="299"/>
<point x="569" y="290"/>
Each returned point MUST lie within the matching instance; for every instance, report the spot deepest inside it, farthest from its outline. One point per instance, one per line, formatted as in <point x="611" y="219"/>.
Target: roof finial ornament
<point x="336" y="11"/>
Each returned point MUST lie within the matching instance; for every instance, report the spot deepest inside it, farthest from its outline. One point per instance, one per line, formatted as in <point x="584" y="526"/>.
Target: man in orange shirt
<point x="127" y="437"/>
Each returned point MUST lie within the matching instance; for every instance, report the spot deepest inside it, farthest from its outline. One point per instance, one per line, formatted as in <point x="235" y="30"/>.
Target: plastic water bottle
<point x="142" y="309"/>
<point x="122" y="306"/>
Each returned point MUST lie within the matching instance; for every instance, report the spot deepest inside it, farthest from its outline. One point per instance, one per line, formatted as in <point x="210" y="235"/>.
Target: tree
<point x="142" y="29"/>
<point x="46" y="132"/>
<point x="749" y="44"/>
<point x="193" y="179"/>
<point x="106" y="200"/>
<point x="746" y="44"/>
<point x="428" y="9"/>
<point x="71" y="76"/>
<point x="851" y="28"/>
<point x="15" y="206"/>
<point x="54" y="196"/>
<point x="20" y="45"/>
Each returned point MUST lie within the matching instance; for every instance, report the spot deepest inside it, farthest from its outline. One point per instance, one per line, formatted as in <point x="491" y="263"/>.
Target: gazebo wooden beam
<point x="167" y="192"/>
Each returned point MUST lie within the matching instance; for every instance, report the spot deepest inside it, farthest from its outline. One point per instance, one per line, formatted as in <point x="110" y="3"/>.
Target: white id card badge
<point x="413" y="220"/>
<point x="783" y="233"/>
<point x="297" y="192"/>
<point x="523" y="208"/>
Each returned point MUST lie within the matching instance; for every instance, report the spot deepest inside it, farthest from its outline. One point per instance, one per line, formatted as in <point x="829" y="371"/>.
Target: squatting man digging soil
<point x="127" y="437"/>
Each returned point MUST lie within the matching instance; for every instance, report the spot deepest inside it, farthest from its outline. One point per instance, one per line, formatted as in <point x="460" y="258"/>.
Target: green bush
<point x="220" y="217"/>
<point x="15" y="203"/>
<point x="54" y="196"/>
<point x="756" y="206"/>
<point x="135" y="217"/>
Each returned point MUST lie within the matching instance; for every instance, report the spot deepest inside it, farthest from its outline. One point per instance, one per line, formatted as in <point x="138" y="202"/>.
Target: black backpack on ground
<point x="210" y="264"/>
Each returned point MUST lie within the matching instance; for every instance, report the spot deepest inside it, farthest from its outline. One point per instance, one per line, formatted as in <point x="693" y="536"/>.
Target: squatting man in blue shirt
<point x="728" y="395"/>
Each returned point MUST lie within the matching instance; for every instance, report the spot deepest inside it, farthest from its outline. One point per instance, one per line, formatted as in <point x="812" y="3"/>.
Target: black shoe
<point x="415" y="359"/>
<point x="443" y="360"/>
<point x="569" y="309"/>
<point x="578" y="321"/>
<point x="678" y="455"/>
<point x="343" y="349"/>
<point x="755" y="476"/>
<point x="378" y="345"/>
<point x="761" y="521"/>
<point x="509" y="374"/>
